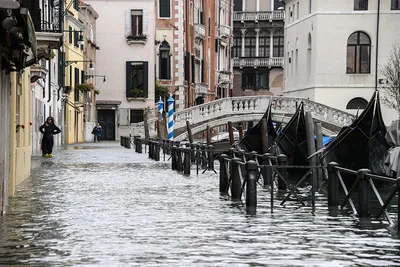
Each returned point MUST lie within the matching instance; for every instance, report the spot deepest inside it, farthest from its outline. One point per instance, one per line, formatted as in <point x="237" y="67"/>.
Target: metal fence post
<point x="251" y="185"/>
<point x="333" y="185"/>
<point x="223" y="176"/>
<point x="363" y="196"/>
<point x="266" y="171"/>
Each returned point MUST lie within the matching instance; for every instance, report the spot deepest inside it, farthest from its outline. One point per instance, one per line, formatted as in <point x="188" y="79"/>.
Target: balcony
<point x="256" y="16"/>
<point x="258" y="62"/>
<point x="224" y="31"/>
<point x="201" y="89"/>
<point x="224" y="77"/>
<point x="200" y="31"/>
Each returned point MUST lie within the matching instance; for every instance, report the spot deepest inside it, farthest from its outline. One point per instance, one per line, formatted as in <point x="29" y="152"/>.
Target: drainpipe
<point x="377" y="45"/>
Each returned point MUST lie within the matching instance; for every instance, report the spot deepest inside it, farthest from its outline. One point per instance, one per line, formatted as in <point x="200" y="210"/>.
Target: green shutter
<point x="128" y="80"/>
<point x="145" y="79"/>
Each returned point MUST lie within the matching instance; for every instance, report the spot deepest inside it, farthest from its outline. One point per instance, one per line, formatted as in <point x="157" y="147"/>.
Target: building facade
<point x="74" y="66"/>
<point x="90" y="77"/>
<point x="193" y="49"/>
<point x="331" y="50"/>
<point x="18" y="48"/>
<point x="126" y="35"/>
<point x="46" y="90"/>
<point x="258" y="47"/>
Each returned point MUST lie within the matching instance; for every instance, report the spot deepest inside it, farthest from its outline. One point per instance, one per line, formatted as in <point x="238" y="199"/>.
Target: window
<point x="278" y="44"/>
<point x="264" y="44"/>
<point x="76" y="38"/>
<point x="164" y="8"/>
<point x="357" y="103"/>
<point x="298" y="10"/>
<point x="165" y="61"/>
<point x="76" y="4"/>
<point x="82" y="76"/>
<point x="309" y="54"/>
<point x="238" y="5"/>
<point x="137" y="79"/>
<point x="309" y="6"/>
<point x="137" y="115"/>
<point x="255" y="80"/>
<point x="395" y="4"/>
<point x="360" y="4"/>
<point x="250" y="45"/>
<point x="70" y="34"/>
<point x="358" y="53"/>
<point x="277" y="4"/>
<point x="237" y="46"/>
<point x="137" y="22"/>
<point x="76" y="79"/>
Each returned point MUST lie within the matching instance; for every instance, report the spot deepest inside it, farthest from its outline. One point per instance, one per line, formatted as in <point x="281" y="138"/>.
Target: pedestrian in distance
<point x="97" y="132"/>
<point x="48" y="129"/>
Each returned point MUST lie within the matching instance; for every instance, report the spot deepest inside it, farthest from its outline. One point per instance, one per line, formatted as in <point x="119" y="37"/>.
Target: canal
<point x="104" y="205"/>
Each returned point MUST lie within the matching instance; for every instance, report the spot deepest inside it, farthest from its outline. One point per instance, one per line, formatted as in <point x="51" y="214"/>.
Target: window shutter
<point x="187" y="67"/>
<point x="123" y="116"/>
<point x="70" y="75"/>
<point x="82" y="76"/>
<point x="202" y="70"/>
<point x="128" y="79"/>
<point x="145" y="79"/>
<point x="193" y="70"/>
<point x="128" y="22"/>
<point x="144" y="22"/>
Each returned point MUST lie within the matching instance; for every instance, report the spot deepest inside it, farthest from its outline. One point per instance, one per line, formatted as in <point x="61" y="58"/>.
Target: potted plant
<point x="137" y="92"/>
<point x="85" y="87"/>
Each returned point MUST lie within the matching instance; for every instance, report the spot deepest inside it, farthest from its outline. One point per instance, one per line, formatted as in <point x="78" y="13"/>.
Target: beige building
<point x="331" y="50"/>
<point x="125" y="31"/>
<point x="258" y="47"/>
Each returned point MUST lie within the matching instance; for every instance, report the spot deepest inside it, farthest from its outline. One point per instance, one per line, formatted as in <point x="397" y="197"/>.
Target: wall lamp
<point x="80" y="40"/>
<point x="69" y="62"/>
<point x="90" y="76"/>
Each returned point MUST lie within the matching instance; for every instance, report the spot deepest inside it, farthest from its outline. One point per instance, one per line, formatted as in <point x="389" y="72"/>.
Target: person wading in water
<point x="48" y="129"/>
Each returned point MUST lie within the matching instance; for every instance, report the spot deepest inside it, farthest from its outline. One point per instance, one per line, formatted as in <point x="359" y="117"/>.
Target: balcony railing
<point x="255" y="16"/>
<point x="200" y="31"/>
<point x="201" y="88"/>
<point x="258" y="62"/>
<point x="224" y="30"/>
<point x="49" y="23"/>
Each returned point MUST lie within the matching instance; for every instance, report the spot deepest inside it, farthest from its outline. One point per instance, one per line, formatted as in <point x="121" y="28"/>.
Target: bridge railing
<point x="249" y="105"/>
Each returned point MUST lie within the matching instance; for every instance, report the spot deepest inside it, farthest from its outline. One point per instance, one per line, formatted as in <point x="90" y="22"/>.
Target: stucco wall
<point x="329" y="25"/>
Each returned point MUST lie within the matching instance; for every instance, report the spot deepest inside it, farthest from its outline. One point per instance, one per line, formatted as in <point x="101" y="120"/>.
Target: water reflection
<point x="107" y="206"/>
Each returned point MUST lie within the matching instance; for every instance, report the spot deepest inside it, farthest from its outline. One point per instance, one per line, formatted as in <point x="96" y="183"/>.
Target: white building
<point x="125" y="32"/>
<point x="330" y="49"/>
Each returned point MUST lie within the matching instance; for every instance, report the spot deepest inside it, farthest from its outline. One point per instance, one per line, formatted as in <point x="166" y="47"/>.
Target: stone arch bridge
<point x="250" y="108"/>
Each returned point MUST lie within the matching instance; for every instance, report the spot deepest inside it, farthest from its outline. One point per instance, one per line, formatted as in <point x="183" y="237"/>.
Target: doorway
<point x="107" y="122"/>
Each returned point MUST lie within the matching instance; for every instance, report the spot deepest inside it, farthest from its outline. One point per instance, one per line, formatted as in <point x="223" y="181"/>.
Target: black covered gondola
<point x="252" y="140"/>
<point x="292" y="141"/>
<point x="363" y="143"/>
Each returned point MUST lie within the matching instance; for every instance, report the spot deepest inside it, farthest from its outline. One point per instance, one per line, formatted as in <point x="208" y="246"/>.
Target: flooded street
<point x="104" y="205"/>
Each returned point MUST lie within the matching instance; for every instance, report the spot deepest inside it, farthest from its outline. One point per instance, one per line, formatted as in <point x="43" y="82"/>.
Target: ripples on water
<point x="107" y="206"/>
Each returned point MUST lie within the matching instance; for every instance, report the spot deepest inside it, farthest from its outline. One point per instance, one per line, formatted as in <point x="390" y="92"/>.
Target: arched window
<point x="165" y="61"/>
<point x="359" y="53"/>
<point x="357" y="103"/>
<point x="264" y="44"/>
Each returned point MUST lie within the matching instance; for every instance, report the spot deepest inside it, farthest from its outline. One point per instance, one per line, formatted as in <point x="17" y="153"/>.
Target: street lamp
<point x="90" y="76"/>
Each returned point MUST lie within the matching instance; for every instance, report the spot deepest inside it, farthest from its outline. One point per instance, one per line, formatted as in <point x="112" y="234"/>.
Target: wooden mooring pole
<point x="311" y="150"/>
<point x="189" y="132"/>
<point x="231" y="136"/>
<point x="240" y="130"/>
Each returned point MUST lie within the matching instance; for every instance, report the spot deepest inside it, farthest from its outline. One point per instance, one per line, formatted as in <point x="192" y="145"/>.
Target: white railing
<point x="201" y="88"/>
<point x="249" y="105"/>
<point x="255" y="16"/>
<point x="200" y="30"/>
<point x="224" y="77"/>
<point x="258" y="62"/>
<point x="224" y="31"/>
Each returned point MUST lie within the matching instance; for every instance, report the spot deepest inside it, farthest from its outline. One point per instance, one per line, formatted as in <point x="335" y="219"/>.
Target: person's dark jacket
<point x="48" y="130"/>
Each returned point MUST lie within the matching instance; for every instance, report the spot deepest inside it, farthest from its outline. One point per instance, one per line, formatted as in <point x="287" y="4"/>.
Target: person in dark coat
<point x="48" y="129"/>
<point x="97" y="132"/>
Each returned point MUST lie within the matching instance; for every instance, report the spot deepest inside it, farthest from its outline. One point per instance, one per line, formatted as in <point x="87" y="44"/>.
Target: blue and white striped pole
<point x="160" y="107"/>
<point x="171" y="118"/>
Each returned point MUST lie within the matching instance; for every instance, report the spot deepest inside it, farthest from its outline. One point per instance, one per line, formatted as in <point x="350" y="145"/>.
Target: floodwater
<point x="104" y="205"/>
